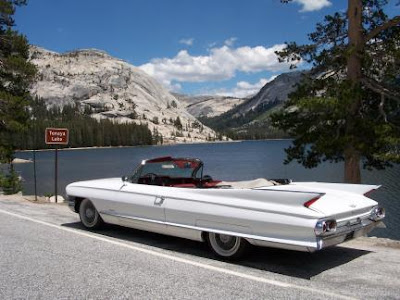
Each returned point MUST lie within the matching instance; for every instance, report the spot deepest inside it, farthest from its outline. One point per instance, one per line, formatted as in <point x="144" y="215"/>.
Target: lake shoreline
<point x="139" y="146"/>
<point x="19" y="161"/>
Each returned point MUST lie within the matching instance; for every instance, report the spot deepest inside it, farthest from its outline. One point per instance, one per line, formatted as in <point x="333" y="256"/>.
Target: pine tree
<point x="347" y="108"/>
<point x="178" y="123"/>
<point x="16" y="74"/>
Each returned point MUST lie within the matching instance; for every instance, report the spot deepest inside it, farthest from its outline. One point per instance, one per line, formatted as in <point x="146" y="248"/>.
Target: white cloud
<point x="174" y="87"/>
<point x="220" y="64"/>
<point x="311" y="5"/>
<point x="244" y="88"/>
<point x="211" y="45"/>
<point x="187" y="42"/>
<point x="229" y="42"/>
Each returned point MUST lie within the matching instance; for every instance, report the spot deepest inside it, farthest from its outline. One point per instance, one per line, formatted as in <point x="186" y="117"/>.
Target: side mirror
<point x="124" y="178"/>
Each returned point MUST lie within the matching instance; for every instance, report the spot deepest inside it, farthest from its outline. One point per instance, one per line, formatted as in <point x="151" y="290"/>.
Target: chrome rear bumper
<point x="348" y="232"/>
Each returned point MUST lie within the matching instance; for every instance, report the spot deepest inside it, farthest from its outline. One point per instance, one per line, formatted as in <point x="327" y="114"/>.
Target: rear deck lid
<point x="336" y="198"/>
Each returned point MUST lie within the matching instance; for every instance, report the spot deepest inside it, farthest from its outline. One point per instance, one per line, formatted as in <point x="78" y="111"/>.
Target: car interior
<point x="188" y="173"/>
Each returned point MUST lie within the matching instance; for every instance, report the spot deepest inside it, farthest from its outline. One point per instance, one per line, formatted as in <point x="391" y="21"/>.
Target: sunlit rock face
<point x="208" y="106"/>
<point x="107" y="87"/>
<point x="275" y="91"/>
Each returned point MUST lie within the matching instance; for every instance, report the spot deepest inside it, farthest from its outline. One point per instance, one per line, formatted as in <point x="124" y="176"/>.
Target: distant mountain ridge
<point x="249" y="119"/>
<point x="114" y="89"/>
<point x="275" y="91"/>
<point x="208" y="106"/>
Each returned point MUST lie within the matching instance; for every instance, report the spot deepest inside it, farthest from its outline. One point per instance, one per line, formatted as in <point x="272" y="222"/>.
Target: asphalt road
<point x="46" y="254"/>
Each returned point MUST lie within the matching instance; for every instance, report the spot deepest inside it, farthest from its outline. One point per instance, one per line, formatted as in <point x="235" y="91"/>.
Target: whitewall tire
<point x="227" y="246"/>
<point x="89" y="216"/>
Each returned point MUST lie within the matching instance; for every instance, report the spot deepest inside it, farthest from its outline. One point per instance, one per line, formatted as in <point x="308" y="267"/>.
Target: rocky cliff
<point x="208" y="106"/>
<point x="108" y="87"/>
<point x="275" y="91"/>
<point x="250" y="118"/>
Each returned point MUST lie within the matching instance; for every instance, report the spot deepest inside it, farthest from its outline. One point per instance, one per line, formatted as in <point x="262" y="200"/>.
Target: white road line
<point x="178" y="259"/>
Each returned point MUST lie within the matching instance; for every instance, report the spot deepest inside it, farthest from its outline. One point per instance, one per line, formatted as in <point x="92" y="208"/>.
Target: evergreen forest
<point x="84" y="131"/>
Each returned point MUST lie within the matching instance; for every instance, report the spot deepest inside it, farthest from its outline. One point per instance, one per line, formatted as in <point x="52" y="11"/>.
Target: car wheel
<point x="89" y="216"/>
<point x="227" y="246"/>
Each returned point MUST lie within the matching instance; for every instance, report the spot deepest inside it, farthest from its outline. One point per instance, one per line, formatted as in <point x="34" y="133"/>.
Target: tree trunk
<point x="352" y="172"/>
<point x="356" y="44"/>
<point x="356" y="41"/>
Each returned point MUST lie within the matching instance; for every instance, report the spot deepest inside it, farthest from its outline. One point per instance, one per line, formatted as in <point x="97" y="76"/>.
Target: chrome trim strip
<point x="344" y="230"/>
<point x="177" y="198"/>
<point x="363" y="215"/>
<point x="333" y="240"/>
<point x="320" y="242"/>
<point x="215" y="203"/>
<point x="306" y="245"/>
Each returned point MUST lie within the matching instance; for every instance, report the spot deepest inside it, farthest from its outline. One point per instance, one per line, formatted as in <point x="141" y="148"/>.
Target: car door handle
<point x="159" y="200"/>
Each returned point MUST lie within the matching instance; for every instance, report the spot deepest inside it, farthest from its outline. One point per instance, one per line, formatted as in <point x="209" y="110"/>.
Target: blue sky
<point x="190" y="46"/>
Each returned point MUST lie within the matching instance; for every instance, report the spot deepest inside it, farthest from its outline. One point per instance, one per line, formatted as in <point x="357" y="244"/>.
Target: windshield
<point x="179" y="168"/>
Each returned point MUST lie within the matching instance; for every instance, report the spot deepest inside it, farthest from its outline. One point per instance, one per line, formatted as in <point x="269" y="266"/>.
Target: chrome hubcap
<point x="226" y="242"/>
<point x="224" y="245"/>
<point x="225" y="239"/>
<point x="89" y="213"/>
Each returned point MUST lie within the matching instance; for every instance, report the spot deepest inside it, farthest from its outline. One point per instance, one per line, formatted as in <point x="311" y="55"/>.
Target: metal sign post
<point x="34" y="172"/>
<point x="56" y="136"/>
<point x="56" y="174"/>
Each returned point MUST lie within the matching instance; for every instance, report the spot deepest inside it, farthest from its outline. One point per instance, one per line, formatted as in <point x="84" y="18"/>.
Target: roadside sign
<point x="56" y="136"/>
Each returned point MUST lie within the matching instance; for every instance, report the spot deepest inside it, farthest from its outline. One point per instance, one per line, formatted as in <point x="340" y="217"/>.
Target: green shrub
<point x="10" y="183"/>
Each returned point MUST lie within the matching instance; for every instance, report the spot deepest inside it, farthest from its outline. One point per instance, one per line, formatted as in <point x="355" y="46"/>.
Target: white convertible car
<point x="172" y="196"/>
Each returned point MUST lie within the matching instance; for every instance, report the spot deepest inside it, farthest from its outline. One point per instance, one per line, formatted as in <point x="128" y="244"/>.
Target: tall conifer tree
<point x="348" y="106"/>
<point x="16" y="74"/>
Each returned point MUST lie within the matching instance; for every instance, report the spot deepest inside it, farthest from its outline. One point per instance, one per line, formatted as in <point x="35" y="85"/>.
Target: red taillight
<point x="367" y="194"/>
<point x="311" y="202"/>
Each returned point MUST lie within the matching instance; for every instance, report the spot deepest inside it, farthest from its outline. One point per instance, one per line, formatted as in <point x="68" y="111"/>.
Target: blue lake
<point x="227" y="161"/>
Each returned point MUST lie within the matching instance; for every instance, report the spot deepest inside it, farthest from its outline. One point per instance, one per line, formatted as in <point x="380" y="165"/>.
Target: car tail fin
<point x="368" y="194"/>
<point x="311" y="201"/>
